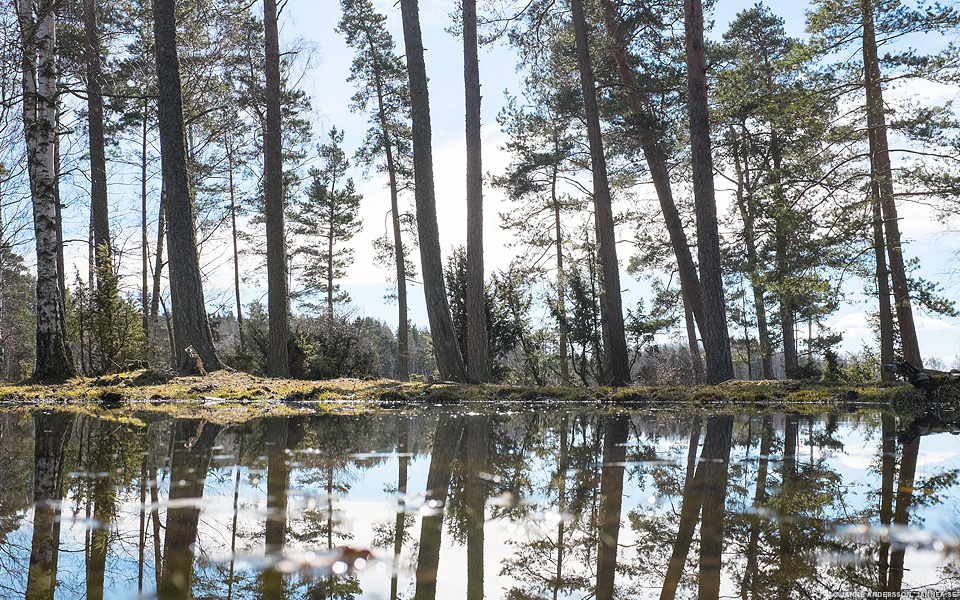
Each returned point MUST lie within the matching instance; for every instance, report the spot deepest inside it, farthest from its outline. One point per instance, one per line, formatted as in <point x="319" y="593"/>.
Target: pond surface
<point x="445" y="503"/>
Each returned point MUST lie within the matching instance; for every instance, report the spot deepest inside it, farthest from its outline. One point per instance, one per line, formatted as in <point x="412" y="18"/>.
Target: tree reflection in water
<point x="556" y="503"/>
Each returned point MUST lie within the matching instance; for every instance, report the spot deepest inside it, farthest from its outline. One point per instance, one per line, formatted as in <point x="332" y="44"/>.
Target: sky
<point x="365" y="281"/>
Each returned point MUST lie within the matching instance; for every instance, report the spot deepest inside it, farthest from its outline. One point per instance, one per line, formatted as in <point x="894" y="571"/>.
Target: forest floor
<point x="232" y="396"/>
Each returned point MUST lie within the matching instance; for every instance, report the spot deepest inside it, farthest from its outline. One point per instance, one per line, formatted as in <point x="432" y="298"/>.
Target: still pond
<point x="470" y="502"/>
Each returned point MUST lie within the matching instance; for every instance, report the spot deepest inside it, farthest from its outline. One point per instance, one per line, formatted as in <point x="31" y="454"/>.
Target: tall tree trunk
<point x="99" y="210"/>
<point x="611" y="501"/>
<point x="278" y="363"/>
<point x="236" y="253"/>
<point x="403" y="337"/>
<point x="190" y="323"/>
<point x="144" y="243"/>
<point x="158" y="272"/>
<point x="883" y="175"/>
<point x="330" y="266"/>
<point x="883" y="285"/>
<point x="783" y="232"/>
<point x="52" y="433"/>
<point x="561" y="280"/>
<point x="53" y="361"/>
<point x="616" y="361"/>
<point x="445" y="345"/>
<point x="478" y="352"/>
<point x="788" y="324"/>
<point x="716" y="339"/>
<point x="745" y="208"/>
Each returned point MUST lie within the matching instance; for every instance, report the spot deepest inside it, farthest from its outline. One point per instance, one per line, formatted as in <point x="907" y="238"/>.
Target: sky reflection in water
<point x="446" y="503"/>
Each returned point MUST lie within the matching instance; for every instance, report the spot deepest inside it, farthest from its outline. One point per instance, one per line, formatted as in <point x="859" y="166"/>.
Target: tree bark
<point x="616" y="361"/>
<point x="445" y="345"/>
<point x="38" y="37"/>
<point x="190" y="324"/>
<point x="278" y="363"/>
<point x="882" y="174"/>
<point x="99" y="210"/>
<point x="478" y="352"/>
<point x="716" y="339"/>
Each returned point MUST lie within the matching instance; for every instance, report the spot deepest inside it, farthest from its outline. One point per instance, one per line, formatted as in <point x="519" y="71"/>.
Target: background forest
<point x="666" y="208"/>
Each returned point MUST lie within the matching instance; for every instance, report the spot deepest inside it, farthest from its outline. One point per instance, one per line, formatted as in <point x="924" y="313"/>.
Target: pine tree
<point x="867" y="27"/>
<point x="278" y="303"/>
<point x="478" y="360"/>
<point x="328" y="216"/>
<point x="190" y="324"/>
<point x="616" y="361"/>
<point x="381" y="78"/>
<point x="716" y="340"/>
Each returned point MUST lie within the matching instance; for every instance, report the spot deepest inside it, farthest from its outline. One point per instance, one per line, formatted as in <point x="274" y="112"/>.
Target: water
<point x="562" y="502"/>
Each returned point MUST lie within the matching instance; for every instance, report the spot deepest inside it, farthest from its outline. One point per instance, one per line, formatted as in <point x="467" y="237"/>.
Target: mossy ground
<point x="230" y="397"/>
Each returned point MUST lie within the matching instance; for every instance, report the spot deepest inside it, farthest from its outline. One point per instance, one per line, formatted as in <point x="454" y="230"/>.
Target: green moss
<point x="234" y="397"/>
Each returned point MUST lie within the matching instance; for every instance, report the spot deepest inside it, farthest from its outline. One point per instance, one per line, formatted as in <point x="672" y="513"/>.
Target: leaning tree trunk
<point x="446" y="348"/>
<point x="278" y="364"/>
<point x="716" y="340"/>
<point x="883" y="175"/>
<point x="99" y="212"/>
<point x="478" y="354"/>
<point x="616" y="361"/>
<point x="657" y="165"/>
<point x="190" y="324"/>
<point x="53" y="360"/>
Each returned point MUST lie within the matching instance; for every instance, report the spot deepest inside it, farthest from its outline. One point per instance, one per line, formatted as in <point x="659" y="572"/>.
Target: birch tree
<point x="38" y="36"/>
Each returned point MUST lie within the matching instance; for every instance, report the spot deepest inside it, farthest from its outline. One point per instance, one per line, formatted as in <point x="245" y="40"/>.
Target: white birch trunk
<point x="39" y="120"/>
